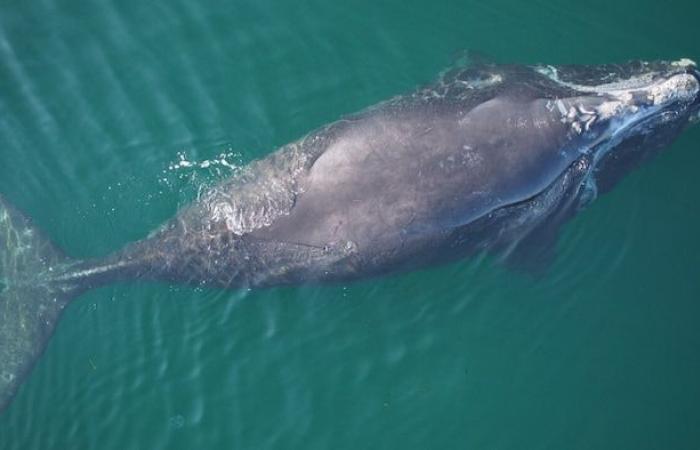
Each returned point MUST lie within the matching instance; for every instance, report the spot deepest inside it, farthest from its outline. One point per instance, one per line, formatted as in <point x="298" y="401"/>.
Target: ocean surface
<point x="113" y="114"/>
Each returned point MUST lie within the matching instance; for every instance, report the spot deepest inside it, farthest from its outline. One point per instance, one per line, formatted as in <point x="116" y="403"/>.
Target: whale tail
<point x="31" y="300"/>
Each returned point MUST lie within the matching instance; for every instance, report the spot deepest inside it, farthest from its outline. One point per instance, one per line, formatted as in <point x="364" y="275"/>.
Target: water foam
<point x="224" y="159"/>
<point x="187" y="175"/>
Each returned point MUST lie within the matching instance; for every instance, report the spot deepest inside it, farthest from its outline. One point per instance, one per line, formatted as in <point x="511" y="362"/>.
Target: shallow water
<point x="103" y="104"/>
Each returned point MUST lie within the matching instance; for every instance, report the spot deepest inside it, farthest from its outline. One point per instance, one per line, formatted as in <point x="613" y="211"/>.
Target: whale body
<point x="488" y="159"/>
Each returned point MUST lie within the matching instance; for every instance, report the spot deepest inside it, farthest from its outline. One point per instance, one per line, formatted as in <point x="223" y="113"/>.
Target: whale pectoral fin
<point x="535" y="254"/>
<point x="534" y="251"/>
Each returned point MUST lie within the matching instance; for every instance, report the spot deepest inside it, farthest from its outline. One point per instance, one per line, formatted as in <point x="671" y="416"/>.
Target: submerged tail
<point x="31" y="300"/>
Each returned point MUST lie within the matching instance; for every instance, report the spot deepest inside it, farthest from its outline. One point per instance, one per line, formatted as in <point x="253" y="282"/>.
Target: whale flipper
<point x="30" y="303"/>
<point x="536" y="253"/>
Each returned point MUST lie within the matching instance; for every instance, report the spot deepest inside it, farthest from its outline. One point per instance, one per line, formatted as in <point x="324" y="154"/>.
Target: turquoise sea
<point x="115" y="113"/>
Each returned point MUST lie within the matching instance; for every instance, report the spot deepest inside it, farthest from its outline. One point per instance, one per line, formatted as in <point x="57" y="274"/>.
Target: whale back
<point x="408" y="170"/>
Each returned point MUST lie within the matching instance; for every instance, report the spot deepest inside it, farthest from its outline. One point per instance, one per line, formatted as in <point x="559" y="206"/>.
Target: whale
<point x="488" y="159"/>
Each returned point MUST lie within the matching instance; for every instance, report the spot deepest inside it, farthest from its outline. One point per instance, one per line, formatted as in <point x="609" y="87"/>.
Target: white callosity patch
<point x="626" y="103"/>
<point x="684" y="63"/>
<point x="660" y="91"/>
<point x="638" y="82"/>
<point x="625" y="108"/>
<point x="552" y="73"/>
<point x="682" y="87"/>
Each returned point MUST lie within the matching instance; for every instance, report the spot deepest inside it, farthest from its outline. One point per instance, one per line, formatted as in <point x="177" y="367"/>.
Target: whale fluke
<point x="30" y="301"/>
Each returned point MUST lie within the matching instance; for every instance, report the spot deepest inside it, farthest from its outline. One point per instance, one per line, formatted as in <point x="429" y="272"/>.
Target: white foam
<point x="222" y="160"/>
<point x="684" y="63"/>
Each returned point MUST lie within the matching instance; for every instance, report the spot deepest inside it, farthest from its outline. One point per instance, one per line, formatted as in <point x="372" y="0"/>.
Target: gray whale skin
<point x="489" y="159"/>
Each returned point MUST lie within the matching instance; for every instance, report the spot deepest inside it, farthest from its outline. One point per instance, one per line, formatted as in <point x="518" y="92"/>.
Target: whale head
<point x="623" y="114"/>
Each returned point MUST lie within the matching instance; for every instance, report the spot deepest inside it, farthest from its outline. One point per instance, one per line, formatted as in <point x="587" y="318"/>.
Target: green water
<point x="100" y="100"/>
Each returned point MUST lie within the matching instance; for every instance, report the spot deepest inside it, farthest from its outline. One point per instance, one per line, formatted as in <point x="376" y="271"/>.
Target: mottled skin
<point x="488" y="159"/>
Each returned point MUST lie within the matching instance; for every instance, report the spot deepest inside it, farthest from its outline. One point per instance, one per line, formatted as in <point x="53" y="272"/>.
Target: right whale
<point x="488" y="159"/>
